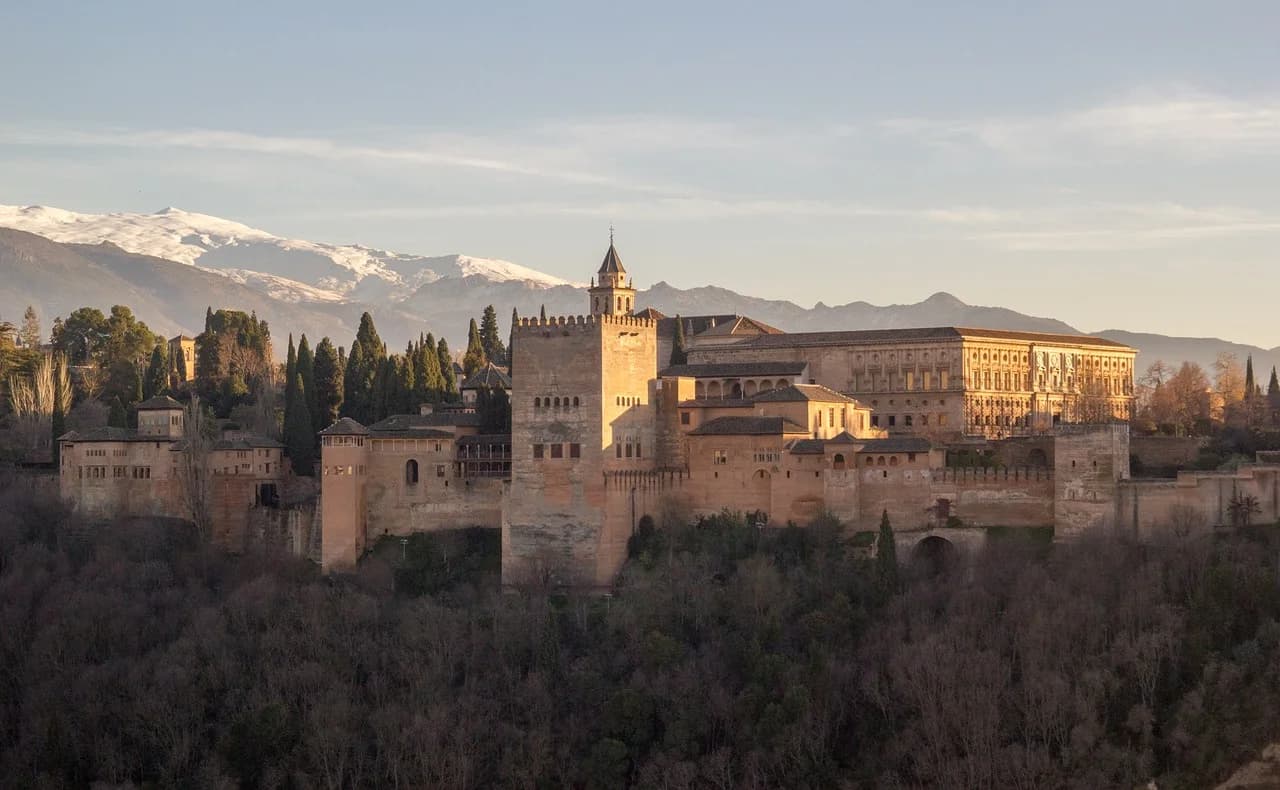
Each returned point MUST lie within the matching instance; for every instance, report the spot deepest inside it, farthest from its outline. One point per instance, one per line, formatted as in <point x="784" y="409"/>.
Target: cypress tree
<point x="118" y="417"/>
<point x="1273" y="390"/>
<point x="542" y="312"/>
<point x="157" y="378"/>
<point x="367" y="336"/>
<point x="511" y="342"/>
<point x="384" y="383"/>
<point x="299" y="441"/>
<point x="58" y="422"/>
<point x="307" y="370"/>
<point x="355" y="386"/>
<point x="1250" y="386"/>
<point x="678" y="354"/>
<point x="208" y="319"/>
<point x="887" y="555"/>
<point x="490" y="340"/>
<point x="290" y="391"/>
<point x="475" y="358"/>
<point x="328" y="378"/>
<point x="432" y="385"/>
<point x="449" y="390"/>
<point x="135" y="396"/>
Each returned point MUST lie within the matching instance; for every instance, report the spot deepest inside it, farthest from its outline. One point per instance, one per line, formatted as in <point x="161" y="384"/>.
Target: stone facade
<point x="949" y="381"/>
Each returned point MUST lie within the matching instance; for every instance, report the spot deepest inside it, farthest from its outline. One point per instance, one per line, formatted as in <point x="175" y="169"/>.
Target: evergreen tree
<point x="357" y="386"/>
<point x="475" y="357"/>
<point x="407" y="384"/>
<point x="433" y="383"/>
<point x="678" y="354"/>
<point x="511" y="342"/>
<point x="384" y="389"/>
<point x="290" y="391"/>
<point x="208" y="319"/>
<point x="58" y="420"/>
<point x="307" y="370"/>
<point x="1273" y="390"/>
<point x="449" y="391"/>
<point x="494" y="408"/>
<point x="542" y="312"/>
<point x="30" y="334"/>
<point x="490" y="340"/>
<point x="299" y="440"/>
<point x="118" y="417"/>
<point x="887" y="555"/>
<point x="328" y="383"/>
<point x="157" y="378"/>
<point x="1250" y="386"/>
<point x="367" y="336"/>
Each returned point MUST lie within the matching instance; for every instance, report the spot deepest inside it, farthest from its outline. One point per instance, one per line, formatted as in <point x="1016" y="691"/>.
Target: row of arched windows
<point x="628" y="400"/>
<point x="556" y="403"/>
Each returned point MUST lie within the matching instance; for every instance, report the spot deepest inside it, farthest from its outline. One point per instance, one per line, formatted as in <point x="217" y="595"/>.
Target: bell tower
<point x="612" y="294"/>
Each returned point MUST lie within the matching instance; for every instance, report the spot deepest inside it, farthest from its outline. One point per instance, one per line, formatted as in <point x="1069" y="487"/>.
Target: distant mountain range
<point x="170" y="265"/>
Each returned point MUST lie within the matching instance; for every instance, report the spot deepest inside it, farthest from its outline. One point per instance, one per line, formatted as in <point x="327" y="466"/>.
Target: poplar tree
<point x="299" y="440"/>
<point x="490" y="340"/>
<point x="157" y="378"/>
<point x="475" y="357"/>
<point x="678" y="354"/>
<point x="328" y="378"/>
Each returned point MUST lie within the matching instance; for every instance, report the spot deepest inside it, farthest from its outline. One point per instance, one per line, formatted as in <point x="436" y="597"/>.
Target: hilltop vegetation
<point x="726" y="658"/>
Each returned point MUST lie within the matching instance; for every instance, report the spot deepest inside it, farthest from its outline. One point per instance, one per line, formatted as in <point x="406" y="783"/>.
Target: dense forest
<point x="726" y="657"/>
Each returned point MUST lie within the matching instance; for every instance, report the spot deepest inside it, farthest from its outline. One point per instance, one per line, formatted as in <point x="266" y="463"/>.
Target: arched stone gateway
<point x="934" y="555"/>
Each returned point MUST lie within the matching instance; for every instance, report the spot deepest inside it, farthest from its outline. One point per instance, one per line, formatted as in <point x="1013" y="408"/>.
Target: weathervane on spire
<point x="610" y="234"/>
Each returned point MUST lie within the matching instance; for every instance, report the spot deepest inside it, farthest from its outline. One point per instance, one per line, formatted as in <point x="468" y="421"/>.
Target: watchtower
<point x="344" y="459"/>
<point x="611" y="292"/>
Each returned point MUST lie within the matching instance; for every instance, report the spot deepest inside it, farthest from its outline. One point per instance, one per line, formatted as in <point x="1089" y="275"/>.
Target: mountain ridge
<point x="301" y="286"/>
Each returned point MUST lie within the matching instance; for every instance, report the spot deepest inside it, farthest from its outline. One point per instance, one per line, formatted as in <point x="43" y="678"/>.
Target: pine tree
<point x="490" y="340"/>
<point x="449" y="390"/>
<point x="118" y="417"/>
<point x="307" y="370"/>
<point x="299" y="441"/>
<point x="678" y="354"/>
<point x="887" y="555"/>
<point x="30" y="334"/>
<point x="1250" y="386"/>
<point x="328" y="378"/>
<point x="157" y="378"/>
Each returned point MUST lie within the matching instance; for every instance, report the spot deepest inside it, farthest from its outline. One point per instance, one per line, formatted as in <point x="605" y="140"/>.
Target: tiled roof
<point x="748" y="426"/>
<point x="345" y="427"/>
<point x="612" y="262"/>
<point x="844" y="437"/>
<point x="110" y="434"/>
<point x="740" y="325"/>
<point x="159" y="402"/>
<point x="736" y="369"/>
<point x="486" y="438"/>
<point x="490" y="376"/>
<point x="807" y="447"/>
<point x="716" y="403"/>
<point x="417" y="424"/>
<point x="897" y="444"/>
<point x="650" y="313"/>
<point x="693" y="324"/>
<point x="868" y="336"/>
<point x="246" y="443"/>
<point x="802" y="392"/>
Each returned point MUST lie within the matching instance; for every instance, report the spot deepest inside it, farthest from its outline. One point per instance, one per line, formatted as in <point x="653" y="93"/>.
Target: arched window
<point x="537" y="403"/>
<point x="870" y="461"/>
<point x="880" y="461"/>
<point x="411" y="472"/>
<point x="893" y="460"/>
<point x="557" y="403"/>
<point x="838" y="461"/>
<point x="575" y="402"/>
<point x="619" y="304"/>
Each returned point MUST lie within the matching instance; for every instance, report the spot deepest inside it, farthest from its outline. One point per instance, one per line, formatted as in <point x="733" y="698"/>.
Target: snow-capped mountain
<point x="290" y="269"/>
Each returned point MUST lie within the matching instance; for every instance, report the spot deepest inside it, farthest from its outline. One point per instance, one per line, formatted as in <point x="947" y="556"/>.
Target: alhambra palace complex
<point x="786" y="426"/>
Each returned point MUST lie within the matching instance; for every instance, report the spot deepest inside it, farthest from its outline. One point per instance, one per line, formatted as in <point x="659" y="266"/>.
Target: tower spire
<point x="610" y="234"/>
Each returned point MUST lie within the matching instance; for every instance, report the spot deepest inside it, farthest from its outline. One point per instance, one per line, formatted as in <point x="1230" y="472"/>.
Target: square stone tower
<point x="581" y="412"/>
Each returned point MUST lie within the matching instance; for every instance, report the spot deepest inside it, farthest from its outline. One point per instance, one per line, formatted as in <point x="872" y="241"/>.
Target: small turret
<point x="612" y="294"/>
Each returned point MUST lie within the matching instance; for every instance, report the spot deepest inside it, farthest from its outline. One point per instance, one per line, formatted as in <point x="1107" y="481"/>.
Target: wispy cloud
<point x="1182" y="121"/>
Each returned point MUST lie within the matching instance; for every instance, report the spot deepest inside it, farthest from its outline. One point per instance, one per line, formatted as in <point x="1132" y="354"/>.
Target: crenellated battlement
<point x="580" y="322"/>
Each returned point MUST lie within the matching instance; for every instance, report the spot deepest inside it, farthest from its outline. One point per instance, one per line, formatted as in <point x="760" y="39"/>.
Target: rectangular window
<point x="617" y="449"/>
<point x="924" y="420"/>
<point x="439" y="470"/>
<point x="875" y="420"/>
<point x="628" y="451"/>
<point x="911" y="458"/>
<point x="831" y="417"/>
<point x="575" y="450"/>
<point x="942" y="419"/>
<point x="537" y="451"/>
<point x="557" y="450"/>
<point x="638" y="450"/>
<point x="911" y="380"/>
<point x="893" y="420"/>
<point x="942" y="380"/>
<point x="117" y="471"/>
<point x="719" y="457"/>
<point x="684" y="418"/>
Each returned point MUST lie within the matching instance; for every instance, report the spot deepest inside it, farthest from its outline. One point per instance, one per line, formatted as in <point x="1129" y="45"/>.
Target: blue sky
<point x="1109" y="164"/>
